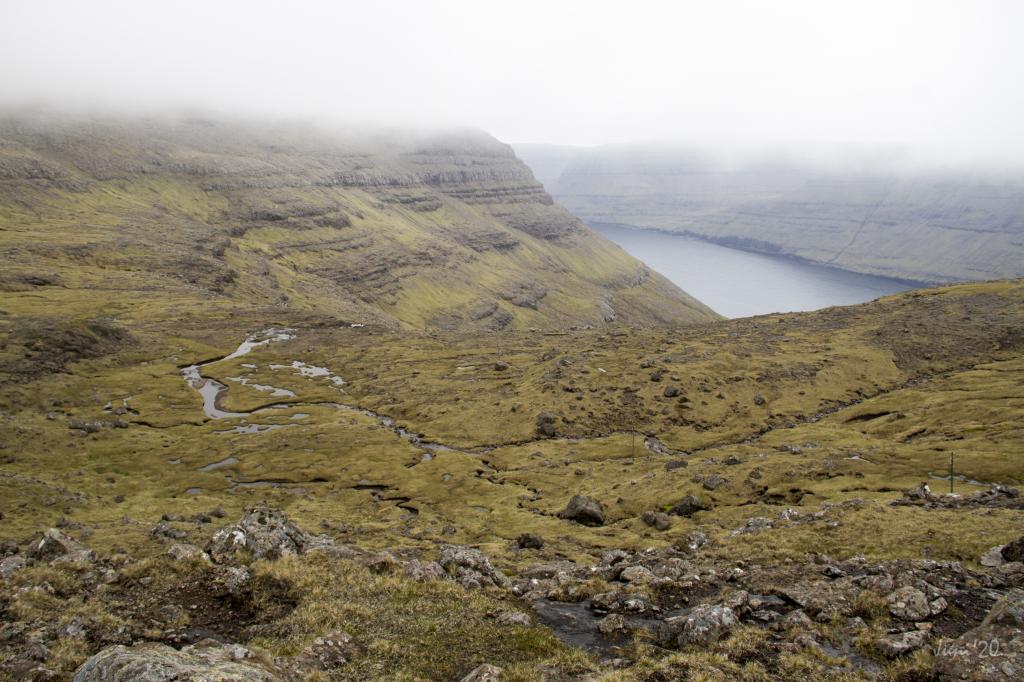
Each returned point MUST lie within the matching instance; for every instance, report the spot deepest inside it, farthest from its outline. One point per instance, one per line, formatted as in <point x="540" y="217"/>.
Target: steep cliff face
<point x="929" y="227"/>
<point x="443" y="230"/>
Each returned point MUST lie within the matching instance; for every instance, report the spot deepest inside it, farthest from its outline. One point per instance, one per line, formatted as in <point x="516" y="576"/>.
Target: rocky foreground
<point x="849" y="619"/>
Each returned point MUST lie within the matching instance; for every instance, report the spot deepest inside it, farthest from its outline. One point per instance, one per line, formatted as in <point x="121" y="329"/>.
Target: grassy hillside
<point x="862" y="214"/>
<point x="475" y="439"/>
<point x="446" y="231"/>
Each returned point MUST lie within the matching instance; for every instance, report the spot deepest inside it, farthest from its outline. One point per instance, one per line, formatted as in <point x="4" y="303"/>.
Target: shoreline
<point x="727" y="244"/>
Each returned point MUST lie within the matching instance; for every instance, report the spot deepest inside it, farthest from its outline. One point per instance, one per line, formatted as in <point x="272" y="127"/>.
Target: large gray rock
<point x="1014" y="551"/>
<point x="470" y="567"/>
<point x="11" y="565"/>
<point x="993" y="651"/>
<point x="56" y="546"/>
<point x="705" y="624"/>
<point x="152" y="662"/>
<point x="263" y="533"/>
<point x="909" y="603"/>
<point x="584" y="510"/>
<point x="483" y="673"/>
<point x="893" y="646"/>
<point x="688" y="506"/>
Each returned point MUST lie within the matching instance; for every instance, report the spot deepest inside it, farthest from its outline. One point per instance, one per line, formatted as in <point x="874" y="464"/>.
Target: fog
<point x="946" y="78"/>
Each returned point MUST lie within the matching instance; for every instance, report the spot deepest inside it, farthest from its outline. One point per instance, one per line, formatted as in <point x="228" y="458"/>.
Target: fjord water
<point x="738" y="283"/>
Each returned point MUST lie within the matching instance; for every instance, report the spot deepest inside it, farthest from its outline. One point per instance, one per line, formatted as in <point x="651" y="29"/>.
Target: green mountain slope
<point x="427" y="231"/>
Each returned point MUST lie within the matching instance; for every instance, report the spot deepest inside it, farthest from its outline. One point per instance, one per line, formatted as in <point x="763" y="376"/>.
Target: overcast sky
<point x="945" y="75"/>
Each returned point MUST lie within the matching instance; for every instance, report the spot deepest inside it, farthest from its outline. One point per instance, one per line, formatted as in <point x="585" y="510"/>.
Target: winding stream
<point x="213" y="392"/>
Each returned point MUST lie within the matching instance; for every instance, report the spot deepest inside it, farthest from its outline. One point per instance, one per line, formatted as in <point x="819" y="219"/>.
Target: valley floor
<point x="756" y="466"/>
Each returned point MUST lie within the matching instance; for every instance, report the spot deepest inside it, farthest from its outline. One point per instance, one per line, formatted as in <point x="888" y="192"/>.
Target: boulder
<point x="56" y="546"/>
<point x="1008" y="611"/>
<point x="183" y="552"/>
<point x="584" y="510"/>
<point x="688" y="506"/>
<point x="636" y="574"/>
<point x="657" y="520"/>
<point x="893" y="646"/>
<point x="613" y="624"/>
<point x="620" y="602"/>
<point x="263" y="533"/>
<point x="546" y="425"/>
<point x="753" y="525"/>
<point x="1014" y="551"/>
<point x="693" y="541"/>
<point x="714" y="482"/>
<point x="152" y="662"/>
<point x="470" y="567"/>
<point x="11" y="565"/>
<point x="514" y="618"/>
<point x="993" y="557"/>
<point x="704" y="625"/>
<point x="992" y="651"/>
<point x="921" y="492"/>
<point x="483" y="673"/>
<point x="422" y="571"/>
<point x="909" y="603"/>
<point x="529" y="541"/>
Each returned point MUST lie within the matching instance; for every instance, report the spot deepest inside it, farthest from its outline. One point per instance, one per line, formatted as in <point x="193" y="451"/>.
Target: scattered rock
<point x="183" y="552"/>
<point x="1014" y="551"/>
<point x="909" y="603"/>
<point x="483" y="673"/>
<point x="529" y="541"/>
<point x="714" y="482"/>
<point x="470" y="567"/>
<point x="546" y="425"/>
<point x="612" y="624"/>
<point x="263" y="533"/>
<point x="422" y="571"/>
<point x="688" y="506"/>
<point x="797" y="619"/>
<point x="165" y="531"/>
<point x="705" y="624"/>
<point x="513" y="618"/>
<point x="584" y="510"/>
<point x="636" y="574"/>
<point x="893" y="646"/>
<point x="500" y="366"/>
<point x="56" y="546"/>
<point x="695" y="541"/>
<point x="990" y="652"/>
<point x="12" y="564"/>
<point x="620" y="602"/>
<point x="657" y="520"/>
<point x="671" y="391"/>
<point x="754" y="524"/>
<point x="234" y="579"/>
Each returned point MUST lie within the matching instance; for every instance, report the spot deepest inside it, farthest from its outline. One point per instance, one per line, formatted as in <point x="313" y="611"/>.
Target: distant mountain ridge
<point x="930" y="227"/>
<point x="444" y="230"/>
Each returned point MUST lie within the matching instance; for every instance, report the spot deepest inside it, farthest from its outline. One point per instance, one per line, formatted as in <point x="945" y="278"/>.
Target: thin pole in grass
<point x="951" y="473"/>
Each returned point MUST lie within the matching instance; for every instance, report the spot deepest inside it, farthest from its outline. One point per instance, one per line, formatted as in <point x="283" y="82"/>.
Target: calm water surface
<point x="739" y="284"/>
